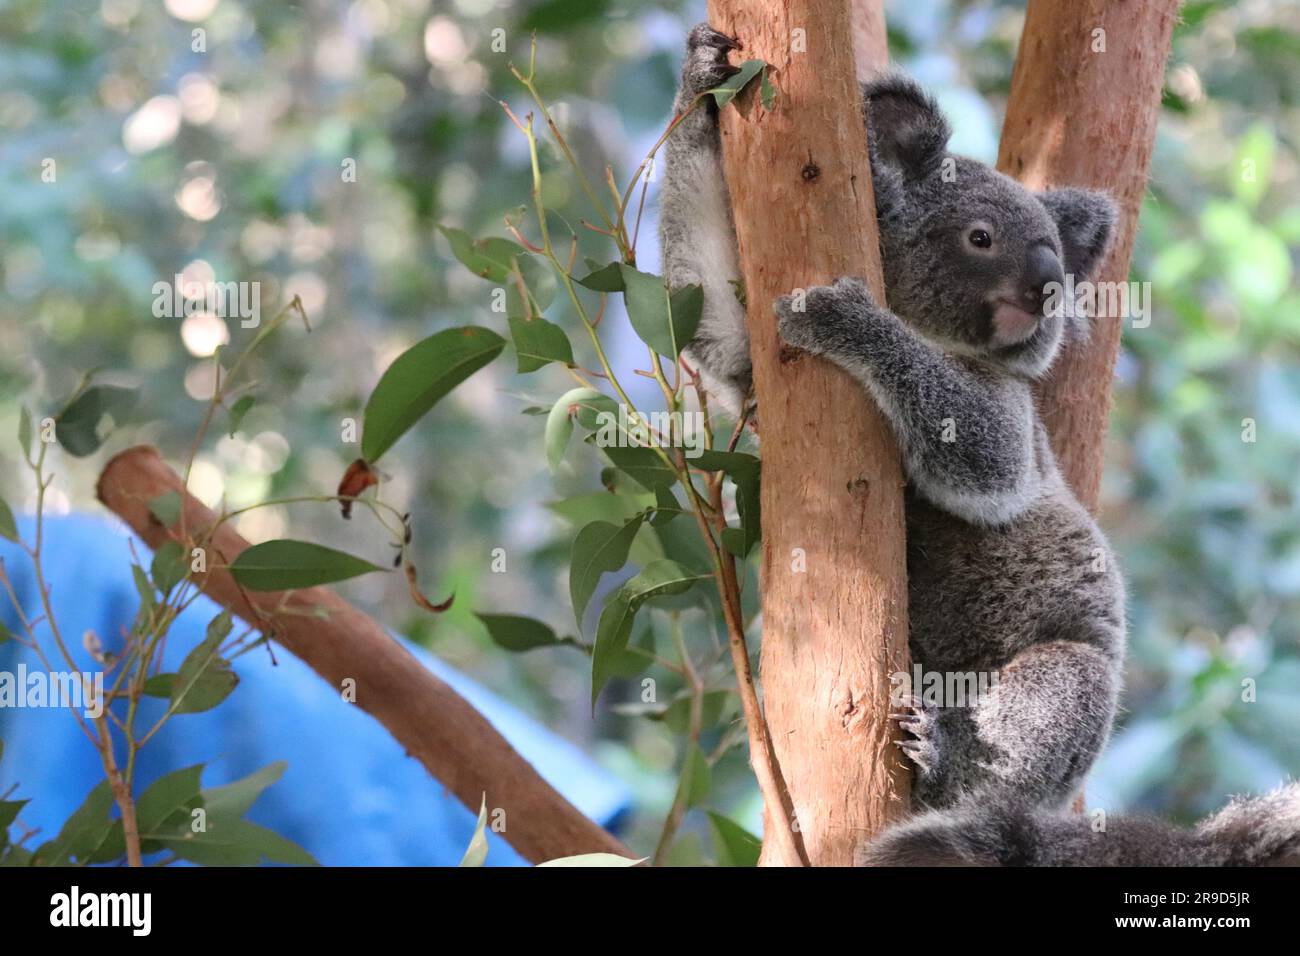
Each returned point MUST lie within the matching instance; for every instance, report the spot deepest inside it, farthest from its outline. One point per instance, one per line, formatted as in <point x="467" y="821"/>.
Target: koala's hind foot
<point x="922" y="722"/>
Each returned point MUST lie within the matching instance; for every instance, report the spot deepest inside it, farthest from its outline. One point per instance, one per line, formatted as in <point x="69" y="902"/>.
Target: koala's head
<point x="974" y="260"/>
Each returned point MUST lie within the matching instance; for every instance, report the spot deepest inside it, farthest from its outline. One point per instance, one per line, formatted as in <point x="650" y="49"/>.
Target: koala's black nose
<point x="1041" y="267"/>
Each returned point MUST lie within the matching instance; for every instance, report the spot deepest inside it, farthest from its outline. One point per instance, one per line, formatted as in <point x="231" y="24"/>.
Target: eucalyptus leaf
<point x="205" y="678"/>
<point x="599" y="547"/>
<point x="607" y="278"/>
<point x="166" y="508"/>
<point x="81" y="427"/>
<point x="169" y="566"/>
<point x="284" y="563"/>
<point x="237" y="413"/>
<point x="487" y="258"/>
<point x="8" y="527"/>
<point x="538" y="343"/>
<point x="619" y="614"/>
<point x="517" y="633"/>
<point x="665" y="322"/>
<point x="476" y="852"/>
<point x="726" y="91"/>
<point x="643" y="465"/>
<point x="745" y="472"/>
<point x="171" y="792"/>
<point x="735" y="845"/>
<point x="24" y="430"/>
<point x="419" y="378"/>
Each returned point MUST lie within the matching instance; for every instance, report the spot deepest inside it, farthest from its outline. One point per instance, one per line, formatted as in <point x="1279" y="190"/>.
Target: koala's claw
<point x="704" y="35"/>
<point x="922" y="723"/>
<point x="706" y="59"/>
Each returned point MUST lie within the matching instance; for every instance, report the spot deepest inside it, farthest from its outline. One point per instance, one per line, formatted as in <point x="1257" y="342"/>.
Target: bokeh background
<point x="228" y="162"/>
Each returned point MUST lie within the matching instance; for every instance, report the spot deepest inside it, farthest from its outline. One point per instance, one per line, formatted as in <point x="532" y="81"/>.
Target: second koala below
<point x="1008" y="573"/>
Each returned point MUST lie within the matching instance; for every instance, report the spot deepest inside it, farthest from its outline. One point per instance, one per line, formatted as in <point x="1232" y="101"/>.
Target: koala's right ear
<point x="904" y="125"/>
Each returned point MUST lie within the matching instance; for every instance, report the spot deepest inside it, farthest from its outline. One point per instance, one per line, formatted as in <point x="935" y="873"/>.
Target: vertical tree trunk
<point x="1085" y="97"/>
<point x="834" y="575"/>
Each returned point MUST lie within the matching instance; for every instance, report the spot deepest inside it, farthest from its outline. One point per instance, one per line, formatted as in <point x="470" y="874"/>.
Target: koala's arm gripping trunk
<point x="834" y="577"/>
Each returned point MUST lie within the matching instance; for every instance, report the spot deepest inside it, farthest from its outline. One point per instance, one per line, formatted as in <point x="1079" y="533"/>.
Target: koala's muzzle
<point x="1018" y="312"/>
<point x="1041" y="268"/>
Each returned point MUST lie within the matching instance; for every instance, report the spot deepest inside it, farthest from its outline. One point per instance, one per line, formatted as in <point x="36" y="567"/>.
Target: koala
<point x="1009" y="576"/>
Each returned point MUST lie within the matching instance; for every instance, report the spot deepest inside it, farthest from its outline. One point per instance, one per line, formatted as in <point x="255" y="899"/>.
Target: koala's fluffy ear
<point x="904" y="125"/>
<point x="1085" y="218"/>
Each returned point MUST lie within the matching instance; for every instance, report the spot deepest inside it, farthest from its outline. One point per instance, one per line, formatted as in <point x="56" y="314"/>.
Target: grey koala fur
<point x="1008" y="573"/>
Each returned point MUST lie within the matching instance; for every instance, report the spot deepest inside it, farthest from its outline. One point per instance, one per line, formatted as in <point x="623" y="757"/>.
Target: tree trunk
<point x="834" y="575"/>
<point x="436" y="725"/>
<point x="1085" y="97"/>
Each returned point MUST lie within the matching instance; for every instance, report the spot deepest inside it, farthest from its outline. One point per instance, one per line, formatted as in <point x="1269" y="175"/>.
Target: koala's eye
<point x="979" y="238"/>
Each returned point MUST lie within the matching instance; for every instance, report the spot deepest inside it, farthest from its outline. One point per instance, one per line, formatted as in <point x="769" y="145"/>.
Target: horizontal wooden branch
<point x="437" y="726"/>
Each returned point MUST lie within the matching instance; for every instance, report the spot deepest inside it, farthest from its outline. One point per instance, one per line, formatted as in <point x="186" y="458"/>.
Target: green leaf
<point x="539" y="280"/>
<point x="166" y="508"/>
<point x="583" y="404"/>
<point x="8" y="527"/>
<point x="419" y="377"/>
<point x="696" y="777"/>
<point x="169" y="566"/>
<point x="488" y="258"/>
<point x="642" y="465"/>
<point x="607" y="278"/>
<point x="735" y="845"/>
<point x="767" y="92"/>
<point x="667" y="507"/>
<point x="687" y="306"/>
<point x="725" y="92"/>
<point x="237" y="798"/>
<point x="237" y="413"/>
<point x="229" y="840"/>
<point x="598" y="548"/>
<point x="516" y="633"/>
<point x="159" y="685"/>
<point x="477" y="850"/>
<point x="178" y="790"/>
<point x="283" y="563"/>
<point x="600" y="506"/>
<point x="745" y="472"/>
<point x="636" y="657"/>
<point x="83" y="832"/>
<point x="595" y="859"/>
<point x="24" y="430"/>
<point x="665" y="323"/>
<point x="538" y="343"/>
<point x="678" y="715"/>
<point x="205" y="678"/>
<point x="559" y="427"/>
<point x="80" y="428"/>
<point x="144" y="588"/>
<point x="9" y="810"/>
<point x="619" y="614"/>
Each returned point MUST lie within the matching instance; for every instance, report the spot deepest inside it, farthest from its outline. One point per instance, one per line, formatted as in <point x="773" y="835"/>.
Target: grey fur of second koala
<point x="1008" y="573"/>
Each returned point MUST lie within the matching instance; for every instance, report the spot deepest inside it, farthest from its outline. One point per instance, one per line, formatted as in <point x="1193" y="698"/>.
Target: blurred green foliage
<point x="315" y="147"/>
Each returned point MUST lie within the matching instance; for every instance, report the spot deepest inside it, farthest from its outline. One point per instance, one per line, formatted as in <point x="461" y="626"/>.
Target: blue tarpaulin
<point x="350" y="795"/>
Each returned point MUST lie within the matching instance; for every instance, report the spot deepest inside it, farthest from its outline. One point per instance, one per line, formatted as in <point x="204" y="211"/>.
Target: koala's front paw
<point x="706" y="63"/>
<point x="815" y="319"/>
<point x="922" y="723"/>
